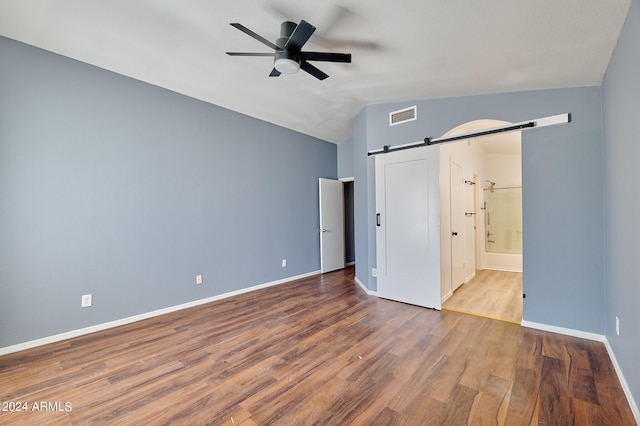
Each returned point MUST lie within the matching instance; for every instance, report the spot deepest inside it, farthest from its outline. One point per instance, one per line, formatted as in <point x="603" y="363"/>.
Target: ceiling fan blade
<point x="299" y="36"/>
<point x="332" y="43"/>
<point x="275" y="73"/>
<point x="248" y="54"/>
<point x="326" y="56"/>
<point x="254" y="35"/>
<point x="337" y="15"/>
<point x="313" y="70"/>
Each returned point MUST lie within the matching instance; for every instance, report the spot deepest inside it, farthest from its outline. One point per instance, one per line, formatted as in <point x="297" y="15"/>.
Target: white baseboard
<point x="623" y="382"/>
<point x="562" y="330"/>
<point x="502" y="269"/>
<point x="470" y="277"/>
<point x="364" y="288"/>
<point x="104" y="326"/>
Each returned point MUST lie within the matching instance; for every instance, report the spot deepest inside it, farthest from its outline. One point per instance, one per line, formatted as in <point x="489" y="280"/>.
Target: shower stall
<point x="502" y="219"/>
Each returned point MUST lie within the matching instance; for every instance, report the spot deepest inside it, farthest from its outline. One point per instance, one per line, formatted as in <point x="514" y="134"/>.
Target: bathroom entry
<point x="491" y="220"/>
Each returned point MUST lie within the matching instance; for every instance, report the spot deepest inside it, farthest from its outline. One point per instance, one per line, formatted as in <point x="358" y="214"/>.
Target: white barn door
<point x="408" y="226"/>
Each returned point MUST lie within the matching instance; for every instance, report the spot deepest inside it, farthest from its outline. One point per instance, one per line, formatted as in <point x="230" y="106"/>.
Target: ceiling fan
<point x="288" y="55"/>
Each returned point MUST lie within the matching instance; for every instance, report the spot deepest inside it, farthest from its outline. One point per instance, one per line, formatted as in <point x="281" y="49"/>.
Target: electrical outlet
<point x="86" y="300"/>
<point x="374" y="272"/>
<point x="617" y="326"/>
<point x="284" y="263"/>
<point x="198" y="279"/>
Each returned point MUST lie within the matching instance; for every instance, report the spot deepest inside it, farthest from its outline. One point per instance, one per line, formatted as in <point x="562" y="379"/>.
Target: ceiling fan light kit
<point x="287" y="50"/>
<point x="286" y="65"/>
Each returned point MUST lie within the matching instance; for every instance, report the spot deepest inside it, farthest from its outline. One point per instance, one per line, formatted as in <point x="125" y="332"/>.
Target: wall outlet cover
<point x="87" y="300"/>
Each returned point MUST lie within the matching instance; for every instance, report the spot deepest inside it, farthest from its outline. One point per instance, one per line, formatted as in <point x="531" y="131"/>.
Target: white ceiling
<point x="412" y="49"/>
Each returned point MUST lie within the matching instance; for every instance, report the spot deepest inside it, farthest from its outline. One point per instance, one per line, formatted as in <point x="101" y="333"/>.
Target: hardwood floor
<point x="315" y="351"/>
<point x="492" y="294"/>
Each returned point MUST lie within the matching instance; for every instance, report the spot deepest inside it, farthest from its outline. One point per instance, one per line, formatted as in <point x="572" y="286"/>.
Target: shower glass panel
<point x="503" y="220"/>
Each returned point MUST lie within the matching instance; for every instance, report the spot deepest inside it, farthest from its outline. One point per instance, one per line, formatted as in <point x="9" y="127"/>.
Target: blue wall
<point x="121" y="189"/>
<point x="345" y="159"/>
<point x="362" y="193"/>
<point x="563" y="225"/>
<point x="621" y="95"/>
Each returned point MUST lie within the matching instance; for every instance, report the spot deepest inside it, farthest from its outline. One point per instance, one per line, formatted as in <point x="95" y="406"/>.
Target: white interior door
<point x="457" y="225"/>
<point x="331" y="225"/>
<point x="408" y="226"/>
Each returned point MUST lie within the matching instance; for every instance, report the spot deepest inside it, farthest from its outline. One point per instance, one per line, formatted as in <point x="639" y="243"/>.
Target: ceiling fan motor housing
<point x="286" y="29"/>
<point x="287" y="61"/>
<point x="287" y="54"/>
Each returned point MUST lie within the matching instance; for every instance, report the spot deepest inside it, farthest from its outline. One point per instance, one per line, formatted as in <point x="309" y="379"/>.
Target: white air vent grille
<point x="403" y="115"/>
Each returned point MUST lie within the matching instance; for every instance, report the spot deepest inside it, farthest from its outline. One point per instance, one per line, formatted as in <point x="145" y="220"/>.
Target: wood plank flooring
<point x="315" y="351"/>
<point x="492" y="294"/>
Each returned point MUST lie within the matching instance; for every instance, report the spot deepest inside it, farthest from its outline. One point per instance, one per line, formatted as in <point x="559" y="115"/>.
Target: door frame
<point x="460" y="231"/>
<point x="345" y="180"/>
<point x="476" y="215"/>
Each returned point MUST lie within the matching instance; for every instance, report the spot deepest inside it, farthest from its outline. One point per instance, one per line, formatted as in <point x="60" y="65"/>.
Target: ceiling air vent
<point x="403" y="115"/>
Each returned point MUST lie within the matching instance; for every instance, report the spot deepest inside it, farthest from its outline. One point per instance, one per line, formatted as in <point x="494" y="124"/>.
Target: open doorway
<point x="336" y="227"/>
<point x="481" y="184"/>
<point x="349" y="223"/>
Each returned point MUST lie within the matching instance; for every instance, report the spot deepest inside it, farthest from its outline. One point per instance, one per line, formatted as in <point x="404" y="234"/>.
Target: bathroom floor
<point x="491" y="294"/>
